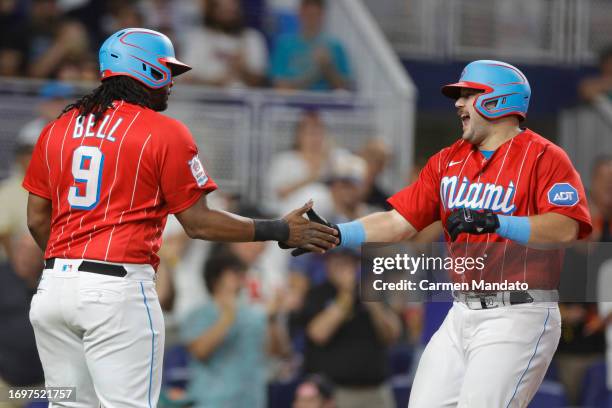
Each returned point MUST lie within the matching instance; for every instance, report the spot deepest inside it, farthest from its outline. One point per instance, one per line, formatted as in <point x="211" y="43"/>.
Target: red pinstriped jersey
<point x="527" y="175"/>
<point x="113" y="183"/>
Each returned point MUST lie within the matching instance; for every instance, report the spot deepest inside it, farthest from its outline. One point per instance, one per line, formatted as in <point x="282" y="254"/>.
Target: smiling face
<point x="475" y="127"/>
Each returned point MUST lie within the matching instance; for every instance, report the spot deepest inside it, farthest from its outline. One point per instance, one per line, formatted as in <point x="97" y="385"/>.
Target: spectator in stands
<point x="122" y="14"/>
<point x="582" y="343"/>
<point x="54" y="97"/>
<point x="590" y="89"/>
<point x="20" y="267"/>
<point x="228" y="339"/>
<point x="314" y="392"/>
<point x="310" y="60"/>
<point x="346" y="185"/>
<point x="13" y="47"/>
<point x="52" y="39"/>
<point x="347" y="339"/>
<point x="13" y="226"/>
<point x="301" y="172"/>
<point x="83" y="69"/>
<point x="377" y="154"/>
<point x="582" y="340"/>
<point x="601" y="199"/>
<point x="224" y="52"/>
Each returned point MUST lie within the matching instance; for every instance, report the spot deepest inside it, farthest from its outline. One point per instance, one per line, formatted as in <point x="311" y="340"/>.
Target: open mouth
<point x="465" y="119"/>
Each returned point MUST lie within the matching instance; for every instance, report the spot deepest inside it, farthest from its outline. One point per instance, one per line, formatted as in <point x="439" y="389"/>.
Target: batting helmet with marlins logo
<point x="505" y="89"/>
<point x="145" y="55"/>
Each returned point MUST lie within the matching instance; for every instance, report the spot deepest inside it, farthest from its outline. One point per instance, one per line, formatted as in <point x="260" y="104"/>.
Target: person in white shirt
<point x="224" y="52"/>
<point x="303" y="171"/>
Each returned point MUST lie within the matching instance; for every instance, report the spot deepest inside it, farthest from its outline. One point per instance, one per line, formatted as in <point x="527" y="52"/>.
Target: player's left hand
<point x="469" y="221"/>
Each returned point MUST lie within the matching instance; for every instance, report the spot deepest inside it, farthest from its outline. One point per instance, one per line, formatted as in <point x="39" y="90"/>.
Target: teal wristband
<point x="353" y="234"/>
<point x="515" y="228"/>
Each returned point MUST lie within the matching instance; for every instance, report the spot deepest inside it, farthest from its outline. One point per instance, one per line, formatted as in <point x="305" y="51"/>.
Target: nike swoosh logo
<point x="451" y="164"/>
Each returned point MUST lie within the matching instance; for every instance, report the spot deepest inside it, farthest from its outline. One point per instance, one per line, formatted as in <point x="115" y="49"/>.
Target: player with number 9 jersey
<point x="113" y="182"/>
<point x="102" y="180"/>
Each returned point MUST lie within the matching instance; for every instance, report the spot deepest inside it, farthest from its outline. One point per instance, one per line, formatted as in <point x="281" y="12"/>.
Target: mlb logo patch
<point x="197" y="170"/>
<point x="563" y="194"/>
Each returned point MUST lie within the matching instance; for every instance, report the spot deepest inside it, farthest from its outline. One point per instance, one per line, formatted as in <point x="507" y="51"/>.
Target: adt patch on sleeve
<point x="199" y="174"/>
<point x="563" y="194"/>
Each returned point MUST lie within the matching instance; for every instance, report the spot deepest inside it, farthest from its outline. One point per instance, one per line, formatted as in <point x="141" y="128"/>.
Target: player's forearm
<point x="552" y="228"/>
<point x="39" y="219"/>
<point x="387" y="226"/>
<point x="40" y="232"/>
<point x="221" y="226"/>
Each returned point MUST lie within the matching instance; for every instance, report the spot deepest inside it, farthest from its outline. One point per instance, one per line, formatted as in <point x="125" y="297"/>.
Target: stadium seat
<point x="37" y="404"/>
<point x="176" y="361"/>
<point x="400" y="359"/>
<point x="550" y="395"/>
<point x="400" y="362"/>
<point x="594" y="389"/>
<point x="280" y="394"/>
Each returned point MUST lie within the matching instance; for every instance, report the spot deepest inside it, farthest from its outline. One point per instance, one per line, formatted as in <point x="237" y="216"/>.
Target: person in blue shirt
<point x="310" y="59"/>
<point x="228" y="339"/>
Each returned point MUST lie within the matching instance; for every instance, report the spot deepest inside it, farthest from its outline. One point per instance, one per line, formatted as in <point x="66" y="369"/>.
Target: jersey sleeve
<point x="419" y="203"/>
<point x="36" y="179"/>
<point x="183" y="178"/>
<point x="560" y="190"/>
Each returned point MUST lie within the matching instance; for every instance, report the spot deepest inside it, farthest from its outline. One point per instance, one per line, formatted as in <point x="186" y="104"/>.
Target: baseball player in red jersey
<point x="508" y="190"/>
<point x="103" y="178"/>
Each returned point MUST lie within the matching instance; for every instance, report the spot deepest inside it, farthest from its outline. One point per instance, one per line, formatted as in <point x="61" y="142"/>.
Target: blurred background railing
<point x="239" y="131"/>
<point x="584" y="133"/>
<point x="542" y="31"/>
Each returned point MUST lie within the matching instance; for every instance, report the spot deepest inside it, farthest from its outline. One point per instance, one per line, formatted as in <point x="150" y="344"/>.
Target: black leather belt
<point x="506" y="298"/>
<point x="94" y="267"/>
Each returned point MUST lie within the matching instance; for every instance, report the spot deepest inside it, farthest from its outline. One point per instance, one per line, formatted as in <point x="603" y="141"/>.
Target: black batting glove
<point x="469" y="221"/>
<point x="314" y="217"/>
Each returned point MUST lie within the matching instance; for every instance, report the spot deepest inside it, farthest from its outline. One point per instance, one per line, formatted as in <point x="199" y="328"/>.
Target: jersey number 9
<point x="87" y="164"/>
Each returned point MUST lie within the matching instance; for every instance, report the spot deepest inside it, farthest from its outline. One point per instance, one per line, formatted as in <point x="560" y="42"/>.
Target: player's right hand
<point x="308" y="235"/>
<point x="314" y="217"/>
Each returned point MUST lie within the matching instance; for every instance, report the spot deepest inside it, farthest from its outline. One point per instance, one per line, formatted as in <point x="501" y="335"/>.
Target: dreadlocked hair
<point x="112" y="89"/>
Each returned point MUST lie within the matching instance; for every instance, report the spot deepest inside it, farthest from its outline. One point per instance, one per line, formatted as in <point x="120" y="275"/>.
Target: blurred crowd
<point x="248" y="325"/>
<point x="229" y="43"/>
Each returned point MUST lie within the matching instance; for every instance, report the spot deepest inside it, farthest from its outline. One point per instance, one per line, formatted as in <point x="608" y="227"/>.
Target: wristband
<point x="353" y="234"/>
<point x="271" y="230"/>
<point x="515" y="228"/>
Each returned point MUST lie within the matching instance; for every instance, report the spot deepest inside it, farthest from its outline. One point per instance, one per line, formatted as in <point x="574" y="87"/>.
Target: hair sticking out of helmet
<point x="505" y="89"/>
<point x="142" y="54"/>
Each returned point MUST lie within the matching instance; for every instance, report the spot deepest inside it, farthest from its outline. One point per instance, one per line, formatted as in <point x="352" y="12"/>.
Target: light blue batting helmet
<point x="145" y="55"/>
<point x="499" y="82"/>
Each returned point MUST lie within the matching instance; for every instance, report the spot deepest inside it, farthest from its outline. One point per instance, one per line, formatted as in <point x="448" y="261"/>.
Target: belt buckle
<point x="489" y="301"/>
<point x="483" y="301"/>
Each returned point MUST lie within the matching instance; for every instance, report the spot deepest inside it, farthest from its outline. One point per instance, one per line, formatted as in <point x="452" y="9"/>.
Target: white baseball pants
<point x="102" y="334"/>
<point x="492" y="358"/>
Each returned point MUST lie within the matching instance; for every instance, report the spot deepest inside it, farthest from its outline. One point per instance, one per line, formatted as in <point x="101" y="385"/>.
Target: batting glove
<point x="469" y="221"/>
<point x="314" y="217"/>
